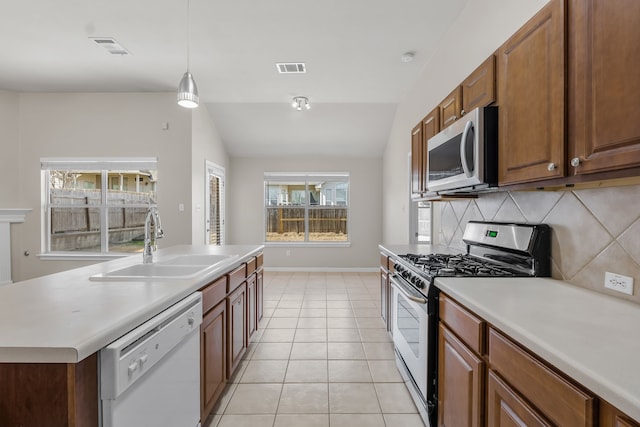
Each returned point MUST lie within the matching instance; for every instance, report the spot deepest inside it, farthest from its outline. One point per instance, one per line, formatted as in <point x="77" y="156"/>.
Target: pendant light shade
<point x="187" y="89"/>
<point x="188" y="92"/>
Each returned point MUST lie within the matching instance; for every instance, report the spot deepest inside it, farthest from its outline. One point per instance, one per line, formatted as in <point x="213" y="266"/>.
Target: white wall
<point x="483" y="25"/>
<point x="245" y="211"/>
<point x="93" y="125"/>
<point x="9" y="150"/>
<point x="207" y="145"/>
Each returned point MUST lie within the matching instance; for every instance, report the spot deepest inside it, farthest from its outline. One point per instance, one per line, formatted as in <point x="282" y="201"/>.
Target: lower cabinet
<point x="238" y="330"/>
<point x="506" y="408"/>
<point x="461" y="385"/>
<point x="252" y="309"/>
<point x="213" y="346"/>
<point x="260" y="294"/>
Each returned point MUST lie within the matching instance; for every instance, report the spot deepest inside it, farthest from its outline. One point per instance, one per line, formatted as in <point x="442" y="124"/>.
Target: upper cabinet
<point x="477" y="90"/>
<point x="451" y="108"/>
<point x="417" y="173"/>
<point x="420" y="135"/>
<point x="531" y="99"/>
<point x="604" y="85"/>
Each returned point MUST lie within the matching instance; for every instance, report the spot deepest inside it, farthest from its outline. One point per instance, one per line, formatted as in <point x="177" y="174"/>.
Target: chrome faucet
<point x="158" y="233"/>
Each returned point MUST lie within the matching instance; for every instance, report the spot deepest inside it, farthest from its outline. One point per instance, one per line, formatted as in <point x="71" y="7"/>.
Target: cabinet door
<point x="259" y="295"/>
<point x="384" y="295"/>
<point x="416" y="160"/>
<point x="451" y="108"/>
<point x="460" y="383"/>
<point x="213" y="346"/>
<point x="479" y="89"/>
<point x="430" y="127"/>
<point x="507" y="409"/>
<point x="252" y="308"/>
<point x="531" y="96"/>
<point x="604" y="88"/>
<point x="611" y="417"/>
<point x="237" y="327"/>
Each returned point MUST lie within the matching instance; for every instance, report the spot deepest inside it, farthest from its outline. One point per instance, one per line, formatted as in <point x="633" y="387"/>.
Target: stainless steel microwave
<point x="464" y="156"/>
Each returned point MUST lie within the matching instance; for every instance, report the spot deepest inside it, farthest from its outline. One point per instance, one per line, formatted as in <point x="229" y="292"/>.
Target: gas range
<point x="493" y="250"/>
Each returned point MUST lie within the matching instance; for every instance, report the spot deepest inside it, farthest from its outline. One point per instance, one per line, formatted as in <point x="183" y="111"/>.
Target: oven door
<point x="455" y="155"/>
<point x="410" y="334"/>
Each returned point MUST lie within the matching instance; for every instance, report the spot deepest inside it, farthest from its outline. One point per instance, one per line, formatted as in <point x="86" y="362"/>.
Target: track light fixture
<point x="187" y="89"/>
<point x="299" y="102"/>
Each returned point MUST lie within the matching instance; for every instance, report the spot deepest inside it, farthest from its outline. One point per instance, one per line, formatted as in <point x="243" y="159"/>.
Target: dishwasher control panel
<point x="134" y="354"/>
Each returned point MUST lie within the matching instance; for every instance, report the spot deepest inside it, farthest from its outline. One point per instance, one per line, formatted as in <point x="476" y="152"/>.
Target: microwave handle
<point x="463" y="152"/>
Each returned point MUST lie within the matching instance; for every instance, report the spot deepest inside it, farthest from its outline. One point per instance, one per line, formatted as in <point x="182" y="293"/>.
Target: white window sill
<point x="308" y="244"/>
<point x="73" y="256"/>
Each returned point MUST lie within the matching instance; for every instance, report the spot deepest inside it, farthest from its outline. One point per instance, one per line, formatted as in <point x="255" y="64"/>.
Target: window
<point x="214" y="204"/>
<point x="97" y="206"/>
<point x="312" y="207"/>
<point x="421" y="222"/>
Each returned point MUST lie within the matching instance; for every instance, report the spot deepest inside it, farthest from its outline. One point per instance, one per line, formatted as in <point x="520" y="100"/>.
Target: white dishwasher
<point x="151" y="375"/>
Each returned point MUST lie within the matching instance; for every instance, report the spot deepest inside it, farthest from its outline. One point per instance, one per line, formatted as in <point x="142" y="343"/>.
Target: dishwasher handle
<point x="130" y="357"/>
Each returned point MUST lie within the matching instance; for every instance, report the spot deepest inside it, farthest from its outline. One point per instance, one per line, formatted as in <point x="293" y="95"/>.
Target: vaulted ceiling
<point x="351" y="49"/>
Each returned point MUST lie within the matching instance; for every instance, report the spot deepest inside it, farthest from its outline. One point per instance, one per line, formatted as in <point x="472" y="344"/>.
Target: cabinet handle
<point x="462" y="113"/>
<point x="551" y="167"/>
<point x="575" y="162"/>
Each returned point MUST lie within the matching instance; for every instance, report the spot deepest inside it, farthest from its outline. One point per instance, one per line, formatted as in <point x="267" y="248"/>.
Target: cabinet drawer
<point x="236" y="277"/>
<point x="468" y="327"/>
<point x="384" y="261"/>
<point x="251" y="266"/>
<point x="259" y="261"/>
<point x="560" y="401"/>
<point x="213" y="293"/>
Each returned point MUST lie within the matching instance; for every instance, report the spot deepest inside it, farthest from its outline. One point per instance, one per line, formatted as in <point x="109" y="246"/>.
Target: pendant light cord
<point x="188" y="28"/>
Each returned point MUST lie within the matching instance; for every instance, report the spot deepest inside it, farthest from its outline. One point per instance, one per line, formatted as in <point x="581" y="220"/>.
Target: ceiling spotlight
<point x="299" y="102"/>
<point x="407" y="57"/>
<point x="187" y="89"/>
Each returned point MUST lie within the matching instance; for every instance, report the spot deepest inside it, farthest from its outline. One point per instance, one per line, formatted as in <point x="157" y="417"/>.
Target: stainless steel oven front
<point x="414" y="327"/>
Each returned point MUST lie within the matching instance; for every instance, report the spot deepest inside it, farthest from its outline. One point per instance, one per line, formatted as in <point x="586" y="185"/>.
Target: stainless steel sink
<point x="180" y="267"/>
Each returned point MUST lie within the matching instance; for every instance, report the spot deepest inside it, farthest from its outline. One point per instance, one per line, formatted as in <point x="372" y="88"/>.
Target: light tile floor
<point x="321" y="358"/>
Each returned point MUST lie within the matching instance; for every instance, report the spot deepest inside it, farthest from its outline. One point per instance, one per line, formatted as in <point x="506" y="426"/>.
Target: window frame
<point x="102" y="166"/>
<point x="270" y="177"/>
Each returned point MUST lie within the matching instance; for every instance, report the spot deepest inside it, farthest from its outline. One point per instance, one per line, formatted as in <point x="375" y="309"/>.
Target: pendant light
<point x="187" y="89"/>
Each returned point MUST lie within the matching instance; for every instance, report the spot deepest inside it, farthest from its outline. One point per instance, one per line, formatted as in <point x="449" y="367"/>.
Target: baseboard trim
<point x="323" y="269"/>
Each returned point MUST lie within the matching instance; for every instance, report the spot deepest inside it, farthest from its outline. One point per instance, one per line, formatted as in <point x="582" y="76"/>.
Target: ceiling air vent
<point x="291" y="67"/>
<point x="111" y="45"/>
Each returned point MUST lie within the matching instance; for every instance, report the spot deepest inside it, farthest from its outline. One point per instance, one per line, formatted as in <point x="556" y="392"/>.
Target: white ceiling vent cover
<point x="291" y="67"/>
<point x="111" y="45"/>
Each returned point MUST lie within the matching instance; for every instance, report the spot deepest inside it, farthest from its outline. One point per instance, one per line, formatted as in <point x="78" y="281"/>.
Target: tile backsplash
<point x="594" y="230"/>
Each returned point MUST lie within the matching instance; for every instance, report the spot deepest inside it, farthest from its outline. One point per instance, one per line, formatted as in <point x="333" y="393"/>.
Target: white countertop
<point x="593" y="338"/>
<point x="65" y="317"/>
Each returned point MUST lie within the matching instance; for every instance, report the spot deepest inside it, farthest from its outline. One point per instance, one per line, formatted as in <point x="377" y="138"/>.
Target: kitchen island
<point x="52" y="327"/>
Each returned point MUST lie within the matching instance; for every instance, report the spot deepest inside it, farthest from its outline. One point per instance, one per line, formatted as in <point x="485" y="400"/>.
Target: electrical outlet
<point x="618" y="282"/>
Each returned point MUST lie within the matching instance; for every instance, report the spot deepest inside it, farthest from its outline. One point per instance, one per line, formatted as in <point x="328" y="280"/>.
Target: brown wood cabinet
<point x="237" y="341"/>
<point x="507" y="409"/>
<point x="384" y="289"/>
<point x="604" y="88"/>
<point x="460" y="384"/>
<point x="531" y="99"/>
<point x="451" y="108"/>
<point x="553" y="397"/>
<point x="49" y="394"/>
<point x="479" y="89"/>
<point x="611" y="417"/>
<point x="417" y="171"/>
<point x="252" y="305"/>
<point x="213" y="349"/>
<point x="461" y="366"/>
<point x="260" y="294"/>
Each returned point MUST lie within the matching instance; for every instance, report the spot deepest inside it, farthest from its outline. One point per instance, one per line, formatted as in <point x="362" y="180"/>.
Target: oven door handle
<point x="404" y="292"/>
